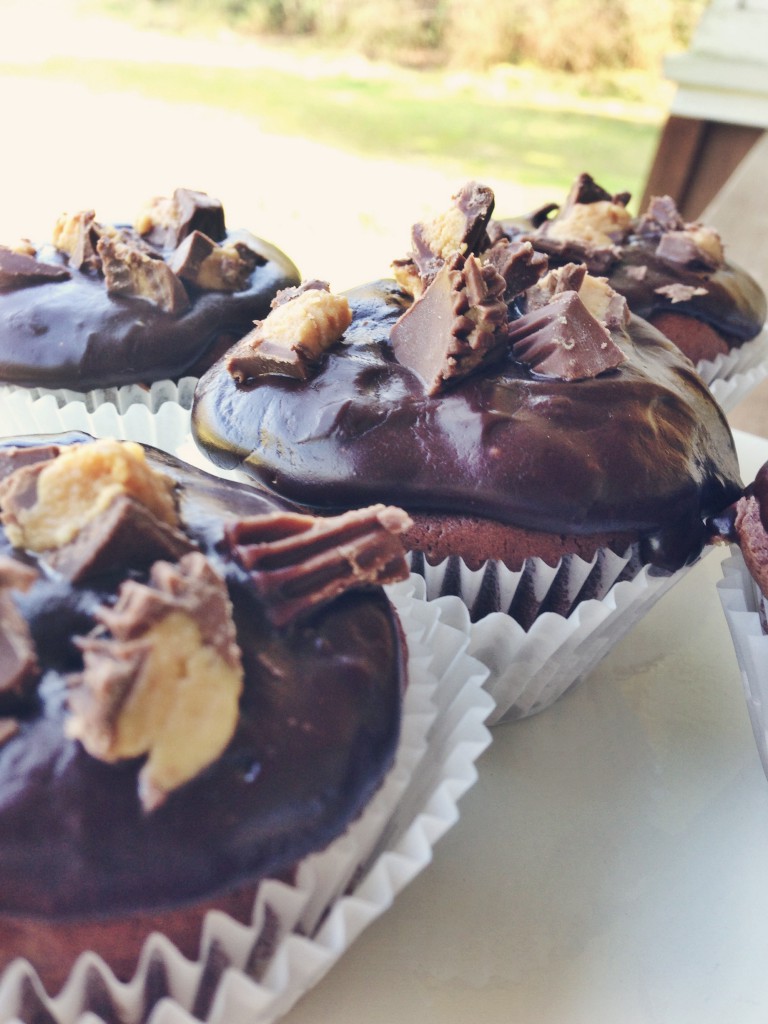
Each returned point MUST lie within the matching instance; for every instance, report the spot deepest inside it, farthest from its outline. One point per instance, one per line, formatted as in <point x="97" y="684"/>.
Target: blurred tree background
<point x="363" y="112"/>
<point x="578" y="36"/>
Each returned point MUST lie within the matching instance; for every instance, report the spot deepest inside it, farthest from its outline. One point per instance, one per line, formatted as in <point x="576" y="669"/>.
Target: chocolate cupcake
<point x="672" y="273"/>
<point x="546" y="444"/>
<point x="200" y="687"/>
<point x="744" y="596"/>
<point x="106" y="312"/>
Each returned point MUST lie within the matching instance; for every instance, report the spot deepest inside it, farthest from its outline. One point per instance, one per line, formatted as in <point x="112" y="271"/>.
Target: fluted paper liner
<point x="532" y="665"/>
<point x="741" y="601"/>
<point x="733" y="375"/>
<point x="254" y="974"/>
<point x="123" y="397"/>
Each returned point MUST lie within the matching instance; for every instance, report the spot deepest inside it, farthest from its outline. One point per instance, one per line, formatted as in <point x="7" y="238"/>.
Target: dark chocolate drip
<point x="641" y="448"/>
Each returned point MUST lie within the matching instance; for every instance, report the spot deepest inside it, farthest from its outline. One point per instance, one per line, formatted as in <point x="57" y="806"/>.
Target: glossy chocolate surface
<point x="640" y="448"/>
<point x="73" y="334"/>
<point x="318" y="727"/>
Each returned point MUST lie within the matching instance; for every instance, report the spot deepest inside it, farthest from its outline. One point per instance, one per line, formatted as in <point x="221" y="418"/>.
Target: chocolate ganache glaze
<point x="92" y="310"/>
<point x="640" y="446"/>
<point x="659" y="263"/>
<point x="316" y="729"/>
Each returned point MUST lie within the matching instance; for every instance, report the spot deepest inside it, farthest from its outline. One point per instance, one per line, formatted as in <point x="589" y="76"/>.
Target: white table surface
<point x="610" y="865"/>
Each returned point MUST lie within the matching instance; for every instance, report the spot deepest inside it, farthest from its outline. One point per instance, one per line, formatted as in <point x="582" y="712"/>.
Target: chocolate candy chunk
<point x="588" y="228"/>
<point x="13" y="458"/>
<point x="292" y="339"/>
<point x="213" y="267"/>
<point x="598" y="259"/>
<point x="46" y="504"/>
<point x="662" y="215"/>
<point x="567" y="278"/>
<point x="678" y="292"/>
<point x="167" y="222"/>
<point x="697" y="248"/>
<point x="298" y="562"/>
<point x="125" y="534"/>
<point x="518" y="263"/>
<point x="606" y="305"/>
<point x="564" y="340"/>
<point x="19" y="270"/>
<point x="166" y="682"/>
<point x="678" y="247"/>
<point x="19" y="668"/>
<point x="462" y="228"/>
<point x="129" y="271"/>
<point x="458" y="324"/>
<point x="543" y="213"/>
<point x="586" y="190"/>
<point x="77" y="235"/>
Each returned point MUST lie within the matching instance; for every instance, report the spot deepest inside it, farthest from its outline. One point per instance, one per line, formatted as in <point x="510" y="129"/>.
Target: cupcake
<point x="200" y="688"/>
<point x="672" y="273"/>
<point x="546" y="444"/>
<point x="744" y="596"/>
<point x="126" y="313"/>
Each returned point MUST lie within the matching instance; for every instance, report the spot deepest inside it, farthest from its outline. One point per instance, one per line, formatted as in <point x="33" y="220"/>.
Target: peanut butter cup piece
<point x="604" y="303"/>
<point x="126" y="534"/>
<point x="77" y="235"/>
<point x="45" y="505"/>
<point x="696" y="247"/>
<point x="590" y="227"/>
<point x="462" y="228"/>
<point x="564" y="340"/>
<point x="132" y="272"/>
<point x="298" y="562"/>
<point x="213" y="267"/>
<point x="586" y="190"/>
<point x="165" y="222"/>
<point x="162" y="678"/>
<point x="15" y="457"/>
<point x="293" y="337"/>
<point x="457" y="324"/>
<point x="518" y="263"/>
<point x="20" y="270"/>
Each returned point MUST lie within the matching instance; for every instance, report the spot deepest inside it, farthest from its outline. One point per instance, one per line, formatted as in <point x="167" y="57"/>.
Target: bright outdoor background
<point x="327" y="127"/>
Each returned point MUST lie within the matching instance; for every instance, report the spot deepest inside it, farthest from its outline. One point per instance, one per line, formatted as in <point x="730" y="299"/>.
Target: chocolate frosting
<point x="318" y="727"/>
<point x="71" y="333"/>
<point x="642" y="447"/>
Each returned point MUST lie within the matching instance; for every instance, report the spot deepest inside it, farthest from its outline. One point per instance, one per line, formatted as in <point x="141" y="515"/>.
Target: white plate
<point x="611" y="864"/>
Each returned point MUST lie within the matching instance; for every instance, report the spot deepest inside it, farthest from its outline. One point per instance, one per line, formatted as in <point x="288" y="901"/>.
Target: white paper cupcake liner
<point x="253" y="974"/>
<point x="165" y="426"/>
<point x="743" y="606"/>
<point x="531" y="665"/>
<point x="732" y="376"/>
<point x="152" y="395"/>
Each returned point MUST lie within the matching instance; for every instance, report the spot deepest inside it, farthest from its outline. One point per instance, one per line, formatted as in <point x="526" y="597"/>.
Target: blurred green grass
<point x="468" y="128"/>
